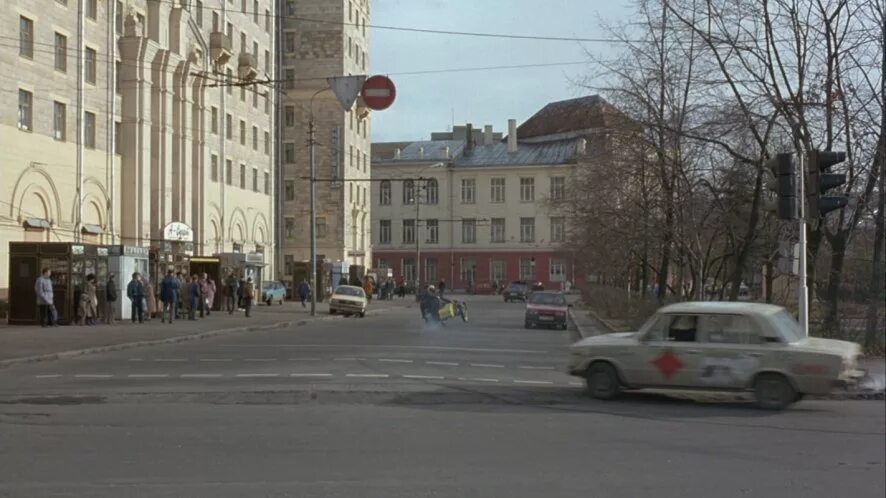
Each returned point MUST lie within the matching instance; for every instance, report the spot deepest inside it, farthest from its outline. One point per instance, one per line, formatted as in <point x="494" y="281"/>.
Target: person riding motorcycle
<point x="430" y="304"/>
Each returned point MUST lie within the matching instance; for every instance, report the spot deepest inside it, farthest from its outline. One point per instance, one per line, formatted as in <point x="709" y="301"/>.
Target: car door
<point x="669" y="355"/>
<point x="733" y="349"/>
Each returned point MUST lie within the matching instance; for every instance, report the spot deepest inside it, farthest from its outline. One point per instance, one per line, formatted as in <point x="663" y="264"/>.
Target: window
<point x="384" y="193"/>
<point x="118" y="149"/>
<point x="267" y="143"/>
<point x="118" y="17"/>
<point x="558" y="188"/>
<point x="432" y="190"/>
<point x="409" y="231"/>
<point x="289" y="190"/>
<point x="558" y="229"/>
<point x="267" y="103"/>
<point x="267" y="20"/>
<point x="215" y="21"/>
<point x="289" y="227"/>
<point x="289" y="79"/>
<point x="242" y="94"/>
<point x="213" y="169"/>
<point x="468" y="270"/>
<point x="255" y="11"/>
<point x="140" y="18"/>
<point x="497" y="270"/>
<point x="243" y="176"/>
<point x="497" y="230"/>
<point x="683" y="328"/>
<point x="89" y="65"/>
<point x="267" y="61"/>
<point x="254" y="180"/>
<point x="267" y="183"/>
<point x="26" y="37"/>
<point x="409" y="269"/>
<point x="243" y="42"/>
<point x="243" y="6"/>
<point x="230" y="81"/>
<point x="254" y="98"/>
<point x="89" y="130"/>
<point x="229" y="127"/>
<point x="728" y="329"/>
<point x="91" y="9"/>
<point x="289" y="115"/>
<point x="59" y="113"/>
<point x="408" y="192"/>
<point x="213" y="120"/>
<point x="289" y="42"/>
<point x="117" y="76"/>
<point x="468" y="231"/>
<point x="199" y="14"/>
<point x="527" y="229"/>
<point x="289" y="153"/>
<point x="321" y="228"/>
<point x="558" y="270"/>
<point x="468" y="186"/>
<point x="527" y="268"/>
<point x="497" y="190"/>
<point x="25" y="110"/>
<point x="431" y="270"/>
<point x="229" y="172"/>
<point x="290" y="7"/>
<point x="255" y="138"/>
<point x="61" y="52"/>
<point x="242" y="132"/>
<point x="527" y="189"/>
<point x="384" y="231"/>
<point x="289" y="264"/>
<point x="433" y="231"/>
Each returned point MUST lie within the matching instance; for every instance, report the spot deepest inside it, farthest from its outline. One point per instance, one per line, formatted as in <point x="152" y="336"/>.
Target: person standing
<point x="208" y="293"/>
<point x="88" y="302"/>
<point x="135" y="291"/>
<point x="110" y="299"/>
<point x="304" y="291"/>
<point x="194" y="295"/>
<point x="442" y="287"/>
<point x="45" y="306"/>
<point x="248" y="295"/>
<point x="170" y="288"/>
<point x="150" y="299"/>
<point x="367" y="288"/>
<point x="230" y="292"/>
<point x="241" y="284"/>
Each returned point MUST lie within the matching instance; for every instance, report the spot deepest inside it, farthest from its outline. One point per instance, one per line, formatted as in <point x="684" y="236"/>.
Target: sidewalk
<point x="23" y="343"/>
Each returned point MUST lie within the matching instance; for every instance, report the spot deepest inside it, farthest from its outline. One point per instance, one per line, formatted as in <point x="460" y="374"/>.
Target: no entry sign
<point x="378" y="92"/>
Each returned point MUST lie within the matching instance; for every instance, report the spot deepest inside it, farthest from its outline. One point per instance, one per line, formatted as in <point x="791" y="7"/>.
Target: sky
<point x="427" y="102"/>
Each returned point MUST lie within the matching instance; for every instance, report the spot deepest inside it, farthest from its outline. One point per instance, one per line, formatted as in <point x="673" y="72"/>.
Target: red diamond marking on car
<point x="668" y="364"/>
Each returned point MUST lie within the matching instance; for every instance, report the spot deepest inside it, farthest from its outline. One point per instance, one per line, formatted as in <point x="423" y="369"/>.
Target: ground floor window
<point x="409" y="269"/>
<point x="527" y="268"/>
<point x="430" y="270"/>
<point x="498" y="270"/>
<point x="468" y="270"/>
<point x="558" y="270"/>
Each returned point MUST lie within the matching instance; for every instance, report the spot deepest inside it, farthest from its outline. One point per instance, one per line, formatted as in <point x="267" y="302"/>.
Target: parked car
<point x="516" y="291"/>
<point x="720" y="346"/>
<point x="273" y="291"/>
<point x="546" y="309"/>
<point x="348" y="300"/>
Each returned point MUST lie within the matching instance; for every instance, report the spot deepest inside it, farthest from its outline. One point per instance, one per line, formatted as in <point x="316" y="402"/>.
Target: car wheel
<point x="362" y="314"/>
<point x="773" y="391"/>
<point x="602" y="381"/>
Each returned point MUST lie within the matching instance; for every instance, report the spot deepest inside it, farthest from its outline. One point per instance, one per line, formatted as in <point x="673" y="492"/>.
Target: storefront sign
<point x="178" y="231"/>
<point x="141" y="252"/>
<point x="78" y="250"/>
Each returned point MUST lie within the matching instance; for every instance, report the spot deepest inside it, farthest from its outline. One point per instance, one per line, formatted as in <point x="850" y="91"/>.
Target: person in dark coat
<point x="135" y="291"/>
<point x="194" y="296"/>
<point x="43" y="289"/>
<point x="304" y="291"/>
<point x="110" y="299"/>
<point x="170" y="288"/>
<point x="240" y="287"/>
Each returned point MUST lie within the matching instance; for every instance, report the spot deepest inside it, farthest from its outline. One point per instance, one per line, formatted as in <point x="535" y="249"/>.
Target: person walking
<point x="442" y="287"/>
<point x="241" y="284"/>
<point x="88" y="302"/>
<point x="110" y="299"/>
<point x="208" y="293"/>
<point x="230" y="291"/>
<point x="248" y="295"/>
<point x="43" y="289"/>
<point x="304" y="291"/>
<point x="194" y="295"/>
<point x="150" y="299"/>
<point x="170" y="288"/>
<point x="135" y="291"/>
<point x="367" y="288"/>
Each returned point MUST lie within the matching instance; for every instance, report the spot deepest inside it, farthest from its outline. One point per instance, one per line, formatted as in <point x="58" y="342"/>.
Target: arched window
<point x="432" y="190"/>
<point x="384" y="193"/>
<point x="408" y="192"/>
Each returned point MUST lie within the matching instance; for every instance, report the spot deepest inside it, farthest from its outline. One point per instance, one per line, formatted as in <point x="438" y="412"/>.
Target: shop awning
<point x="92" y="229"/>
<point x="37" y="223"/>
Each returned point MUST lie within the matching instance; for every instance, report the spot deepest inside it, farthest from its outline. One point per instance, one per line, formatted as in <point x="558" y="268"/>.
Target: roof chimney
<point x="469" y="139"/>
<point x="397" y="153"/>
<point x="581" y="147"/>
<point x="487" y="135"/>
<point x="512" y="135"/>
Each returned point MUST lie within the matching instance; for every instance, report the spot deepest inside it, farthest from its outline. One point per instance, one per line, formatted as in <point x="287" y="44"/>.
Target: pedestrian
<point x="240" y="285"/>
<point x="170" y="288"/>
<point x="208" y="293"/>
<point x="88" y="302"/>
<point x="230" y="291"/>
<point x="150" y="299"/>
<point x="184" y="290"/>
<point x="110" y="299"/>
<point x="442" y="287"/>
<point x="248" y="295"/>
<point x="194" y="297"/>
<point x="135" y="291"/>
<point x="201" y="301"/>
<point x="367" y="288"/>
<point x="45" y="306"/>
<point x="304" y="291"/>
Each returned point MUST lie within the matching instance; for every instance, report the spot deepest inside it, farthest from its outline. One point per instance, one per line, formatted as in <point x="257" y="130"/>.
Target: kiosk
<point x="124" y="261"/>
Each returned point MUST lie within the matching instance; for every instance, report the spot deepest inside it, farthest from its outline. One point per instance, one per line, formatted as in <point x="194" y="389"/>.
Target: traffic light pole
<point x="803" y="290"/>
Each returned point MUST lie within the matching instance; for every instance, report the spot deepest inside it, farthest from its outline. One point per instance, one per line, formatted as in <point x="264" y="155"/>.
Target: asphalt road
<point x="382" y="406"/>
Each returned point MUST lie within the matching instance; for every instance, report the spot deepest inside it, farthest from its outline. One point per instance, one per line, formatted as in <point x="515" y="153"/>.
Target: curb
<point x="170" y="340"/>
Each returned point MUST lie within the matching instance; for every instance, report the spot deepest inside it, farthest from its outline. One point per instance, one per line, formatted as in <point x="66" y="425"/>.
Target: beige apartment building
<point x="119" y="125"/>
<point x="336" y="44"/>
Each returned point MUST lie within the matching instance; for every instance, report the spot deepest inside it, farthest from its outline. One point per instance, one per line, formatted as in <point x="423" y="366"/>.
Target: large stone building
<point x="333" y="41"/>
<point x="484" y="210"/>
<point x="159" y="138"/>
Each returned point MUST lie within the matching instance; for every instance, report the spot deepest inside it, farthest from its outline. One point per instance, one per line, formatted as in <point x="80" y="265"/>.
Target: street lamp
<point x="421" y="185"/>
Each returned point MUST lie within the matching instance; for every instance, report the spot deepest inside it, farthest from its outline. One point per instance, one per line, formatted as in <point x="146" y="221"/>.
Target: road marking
<point x="93" y="376"/>
<point x="310" y="375"/>
<point x="50" y="376"/>
<point x="394" y="361"/>
<point x="136" y="359"/>
<point x="305" y="359"/>
<point x="170" y="359"/>
<point x="537" y="382"/>
<point x="576" y="384"/>
<point x="392" y="346"/>
<point x="445" y="363"/>
<point x="485" y="380"/>
<point x="527" y="367"/>
<point x="200" y="376"/>
<point x="424" y="377"/>
<point x="215" y="359"/>
<point x="147" y="376"/>
<point x="345" y="359"/>
<point x="486" y="365"/>
<point x="258" y="375"/>
<point x="369" y="376"/>
<point x="260" y="359"/>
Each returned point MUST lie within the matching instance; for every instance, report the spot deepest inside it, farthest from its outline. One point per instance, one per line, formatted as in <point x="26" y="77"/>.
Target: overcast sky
<point x="426" y="102"/>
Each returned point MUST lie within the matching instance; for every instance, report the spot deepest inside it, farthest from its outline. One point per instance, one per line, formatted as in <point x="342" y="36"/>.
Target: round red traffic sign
<point x="378" y="92"/>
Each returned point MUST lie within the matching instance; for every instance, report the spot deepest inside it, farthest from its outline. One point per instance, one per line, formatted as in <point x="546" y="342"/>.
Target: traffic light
<point x="818" y="182"/>
<point x="784" y="170"/>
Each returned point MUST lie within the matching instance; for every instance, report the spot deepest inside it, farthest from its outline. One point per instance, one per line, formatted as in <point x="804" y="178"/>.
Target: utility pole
<point x="803" y="290"/>
<point x="417" y="196"/>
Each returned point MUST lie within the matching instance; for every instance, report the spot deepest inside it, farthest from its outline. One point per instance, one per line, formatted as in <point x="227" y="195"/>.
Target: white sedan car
<point x="719" y="346"/>
<point x="348" y="300"/>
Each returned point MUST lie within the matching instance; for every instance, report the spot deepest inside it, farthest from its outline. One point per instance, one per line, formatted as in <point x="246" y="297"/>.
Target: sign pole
<point x="803" y="290"/>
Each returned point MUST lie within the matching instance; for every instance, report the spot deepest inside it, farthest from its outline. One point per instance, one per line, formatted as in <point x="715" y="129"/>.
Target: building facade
<point x="333" y="43"/>
<point x="124" y="119"/>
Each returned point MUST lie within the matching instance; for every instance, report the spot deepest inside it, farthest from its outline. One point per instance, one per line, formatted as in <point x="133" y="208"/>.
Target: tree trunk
<point x="741" y="258"/>
<point x="876" y="286"/>
<point x="832" y="291"/>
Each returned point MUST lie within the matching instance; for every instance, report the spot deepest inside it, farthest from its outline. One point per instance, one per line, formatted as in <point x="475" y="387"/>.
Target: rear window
<point x="549" y="299"/>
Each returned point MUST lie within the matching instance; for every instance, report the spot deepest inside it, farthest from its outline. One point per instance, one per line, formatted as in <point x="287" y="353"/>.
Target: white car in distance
<point x="348" y="300"/>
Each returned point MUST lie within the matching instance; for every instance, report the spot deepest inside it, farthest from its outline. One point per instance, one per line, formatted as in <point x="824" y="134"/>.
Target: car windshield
<point x="550" y="299"/>
<point x="517" y="287"/>
<point x="788" y="326"/>
<point x="350" y="291"/>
